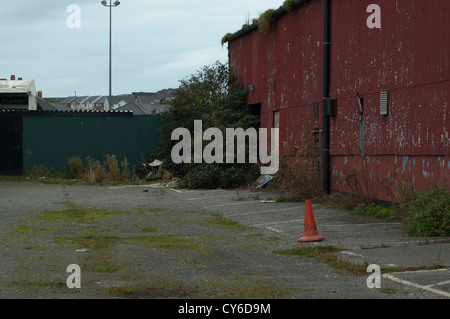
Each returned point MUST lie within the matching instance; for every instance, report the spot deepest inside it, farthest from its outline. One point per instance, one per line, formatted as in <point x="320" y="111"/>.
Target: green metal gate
<point x="11" y="140"/>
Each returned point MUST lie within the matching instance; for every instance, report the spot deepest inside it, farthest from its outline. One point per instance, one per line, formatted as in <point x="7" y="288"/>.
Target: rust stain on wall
<point x="408" y="58"/>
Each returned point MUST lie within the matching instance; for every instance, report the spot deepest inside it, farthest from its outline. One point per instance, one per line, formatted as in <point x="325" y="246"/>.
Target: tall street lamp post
<point x="110" y="6"/>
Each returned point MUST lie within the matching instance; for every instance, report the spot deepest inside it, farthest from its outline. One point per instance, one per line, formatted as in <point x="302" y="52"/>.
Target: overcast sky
<point x="156" y="43"/>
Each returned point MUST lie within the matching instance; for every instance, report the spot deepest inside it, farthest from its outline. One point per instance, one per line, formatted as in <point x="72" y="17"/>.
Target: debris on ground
<point x="83" y="250"/>
<point x="156" y="163"/>
<point x="265" y="180"/>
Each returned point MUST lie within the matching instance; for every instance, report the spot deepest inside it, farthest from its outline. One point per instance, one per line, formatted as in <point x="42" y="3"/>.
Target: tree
<point x="218" y="100"/>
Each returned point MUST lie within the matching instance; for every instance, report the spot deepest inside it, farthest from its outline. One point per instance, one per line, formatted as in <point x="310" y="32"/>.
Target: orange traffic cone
<point x="310" y="234"/>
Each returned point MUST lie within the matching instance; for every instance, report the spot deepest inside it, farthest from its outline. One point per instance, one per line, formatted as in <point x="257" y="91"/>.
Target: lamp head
<point x="104" y="2"/>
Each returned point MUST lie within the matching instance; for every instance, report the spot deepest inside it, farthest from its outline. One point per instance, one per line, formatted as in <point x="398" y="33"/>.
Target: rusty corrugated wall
<point x="408" y="58"/>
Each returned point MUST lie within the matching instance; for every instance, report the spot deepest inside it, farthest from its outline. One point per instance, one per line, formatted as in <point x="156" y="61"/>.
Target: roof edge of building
<point x="275" y="15"/>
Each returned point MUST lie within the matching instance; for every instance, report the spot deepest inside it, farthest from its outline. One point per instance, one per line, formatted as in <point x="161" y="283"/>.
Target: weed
<point x="171" y="242"/>
<point x="357" y="182"/>
<point x="77" y="214"/>
<point x="281" y="199"/>
<point x="375" y="247"/>
<point x="297" y="179"/>
<point x="221" y="222"/>
<point x="403" y="190"/>
<point x="36" y="284"/>
<point x="327" y="255"/>
<point x="429" y="214"/>
<point x="149" y="229"/>
<point x="92" y="171"/>
<point x="225" y="38"/>
<point x="341" y="201"/>
<point x="287" y="4"/>
<point x="246" y="289"/>
<point x="376" y="211"/>
<point x="127" y="290"/>
<point x="241" y="288"/>
<point x="330" y="255"/>
<point x="95" y="171"/>
<point x="112" y="168"/>
<point x="76" y="168"/>
<point x="265" y="21"/>
<point x="126" y="173"/>
<point x="389" y="290"/>
<point x="94" y="241"/>
<point x="102" y="266"/>
<point x="309" y="252"/>
<point x="297" y="176"/>
<point x="32" y="229"/>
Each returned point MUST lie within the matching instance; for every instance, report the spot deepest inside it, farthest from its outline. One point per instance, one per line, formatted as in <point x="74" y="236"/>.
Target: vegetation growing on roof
<point x="225" y="38"/>
<point x="287" y="4"/>
<point x="265" y="21"/>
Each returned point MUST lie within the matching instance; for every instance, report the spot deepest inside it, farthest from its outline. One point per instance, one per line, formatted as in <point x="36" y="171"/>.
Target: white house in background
<point x="118" y="101"/>
<point x="88" y="103"/>
<point x="139" y="103"/>
<point x="17" y="94"/>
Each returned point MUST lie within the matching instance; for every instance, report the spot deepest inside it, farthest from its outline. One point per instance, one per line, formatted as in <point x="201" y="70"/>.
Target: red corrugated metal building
<point x="325" y="53"/>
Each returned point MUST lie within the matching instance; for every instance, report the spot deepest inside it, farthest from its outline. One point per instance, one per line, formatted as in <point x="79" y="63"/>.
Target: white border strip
<point x="427" y="288"/>
<point x="265" y="211"/>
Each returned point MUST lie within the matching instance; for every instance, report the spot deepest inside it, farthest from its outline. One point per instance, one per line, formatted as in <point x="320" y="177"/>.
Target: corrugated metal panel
<point x="409" y="57"/>
<point x="283" y="64"/>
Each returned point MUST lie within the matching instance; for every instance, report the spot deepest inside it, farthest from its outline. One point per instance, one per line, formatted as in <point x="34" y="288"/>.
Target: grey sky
<point x="156" y="43"/>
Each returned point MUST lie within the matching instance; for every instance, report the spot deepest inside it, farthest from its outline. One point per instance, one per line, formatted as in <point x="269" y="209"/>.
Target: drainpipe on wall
<point x="326" y="95"/>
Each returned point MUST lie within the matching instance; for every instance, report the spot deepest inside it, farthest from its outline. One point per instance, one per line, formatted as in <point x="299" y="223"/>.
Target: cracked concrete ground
<point x="155" y="242"/>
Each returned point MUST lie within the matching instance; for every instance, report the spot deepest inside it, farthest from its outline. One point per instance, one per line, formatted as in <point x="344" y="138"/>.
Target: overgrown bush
<point x="356" y="181"/>
<point x="429" y="214"/>
<point x="95" y="171"/>
<point x="297" y="179"/>
<point x="404" y="193"/>
<point x="296" y="176"/>
<point x="224" y="176"/>
<point x="126" y="173"/>
<point x="265" y="21"/>
<point x="76" y="168"/>
<point x="376" y="211"/>
<point x="112" y="168"/>
<point x="287" y="4"/>
<point x="218" y="100"/>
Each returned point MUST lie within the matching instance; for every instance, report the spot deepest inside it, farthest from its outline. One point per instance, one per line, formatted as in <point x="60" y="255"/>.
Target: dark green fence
<point x="51" y="140"/>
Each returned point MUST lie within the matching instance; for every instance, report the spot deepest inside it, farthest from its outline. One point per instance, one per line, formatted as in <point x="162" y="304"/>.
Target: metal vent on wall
<point x="384" y="103"/>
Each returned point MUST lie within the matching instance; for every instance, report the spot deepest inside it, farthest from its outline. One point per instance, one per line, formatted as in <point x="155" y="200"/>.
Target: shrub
<point x="297" y="176"/>
<point x="112" y="168"/>
<point x="265" y="21"/>
<point x="95" y="171"/>
<point x="224" y="176"/>
<point x="225" y="38"/>
<point x="403" y="190"/>
<point x="287" y="4"/>
<point x="376" y="211"/>
<point x="356" y="181"/>
<point x="218" y="99"/>
<point x="429" y="214"/>
<point x="126" y="173"/>
<point x="76" y="168"/>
